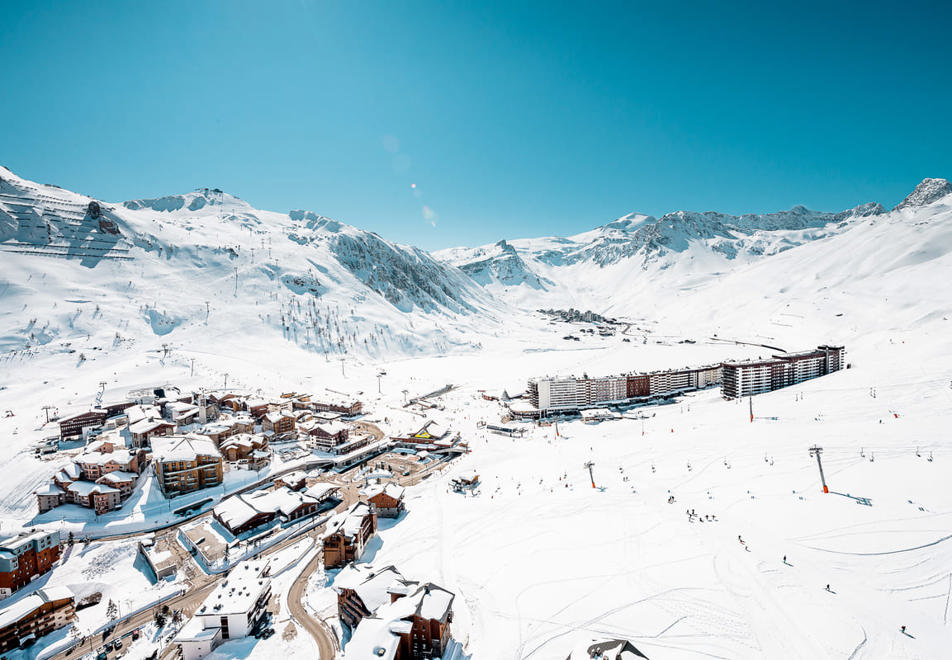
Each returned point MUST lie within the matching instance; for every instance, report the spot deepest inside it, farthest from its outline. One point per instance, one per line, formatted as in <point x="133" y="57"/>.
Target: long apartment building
<point x="749" y="377"/>
<point x="569" y="394"/>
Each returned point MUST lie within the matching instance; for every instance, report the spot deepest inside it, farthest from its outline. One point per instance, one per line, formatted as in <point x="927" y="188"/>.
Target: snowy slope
<point x="209" y="262"/>
<point x="609" y="268"/>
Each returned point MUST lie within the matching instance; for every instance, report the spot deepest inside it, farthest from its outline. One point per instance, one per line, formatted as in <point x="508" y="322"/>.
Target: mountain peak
<point x="928" y="191"/>
<point x="195" y="200"/>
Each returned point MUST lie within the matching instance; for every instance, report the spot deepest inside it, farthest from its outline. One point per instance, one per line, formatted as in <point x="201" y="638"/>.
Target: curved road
<point x="326" y="647"/>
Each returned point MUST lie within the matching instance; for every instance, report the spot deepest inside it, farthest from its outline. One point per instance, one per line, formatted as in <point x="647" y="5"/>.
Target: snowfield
<point x="540" y="560"/>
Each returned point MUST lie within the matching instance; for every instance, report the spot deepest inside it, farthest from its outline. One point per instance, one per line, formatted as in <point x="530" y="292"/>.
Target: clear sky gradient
<point x="512" y="119"/>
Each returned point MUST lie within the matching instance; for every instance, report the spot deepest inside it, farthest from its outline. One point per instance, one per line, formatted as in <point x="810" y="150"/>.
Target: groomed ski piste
<point x="538" y="558"/>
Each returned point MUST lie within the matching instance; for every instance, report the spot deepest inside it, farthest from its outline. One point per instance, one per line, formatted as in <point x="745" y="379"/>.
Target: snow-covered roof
<point x="24" y="606"/>
<point x="87" y="488"/>
<point x="120" y="456"/>
<point x="49" y="489"/>
<point x="234" y="511"/>
<point x="293" y="477"/>
<point x="332" y="428"/>
<point x="239" y="439"/>
<point x="146" y="425"/>
<point x="320" y="490"/>
<point x="239" y="509"/>
<point x="377" y="635"/>
<point x="181" y="406"/>
<point x="391" y="489"/>
<point x="193" y="631"/>
<point x="137" y="413"/>
<point x="119" y="476"/>
<point x="183" y="447"/>
<point x="70" y="472"/>
<point x="238" y="593"/>
<point x="276" y="416"/>
<point x="348" y="522"/>
<point x="372" y="639"/>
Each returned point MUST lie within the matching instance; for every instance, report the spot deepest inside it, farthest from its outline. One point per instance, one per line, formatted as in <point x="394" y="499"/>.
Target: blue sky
<point x="511" y="119"/>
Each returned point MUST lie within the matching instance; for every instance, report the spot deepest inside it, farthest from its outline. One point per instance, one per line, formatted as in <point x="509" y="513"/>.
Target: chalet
<point x="79" y="425"/>
<point x="295" y="480"/>
<point x="257" y="408"/>
<point x="227" y="401"/>
<point x="184" y="464"/>
<point x="414" y="625"/>
<point x="139" y="412"/>
<point x="145" y="430"/>
<point x="26" y="556"/>
<point x="34" y="616"/>
<point x="385" y="500"/>
<point x="243" y="446"/>
<point x="248" y="511"/>
<point x="348" y="534"/>
<point x="181" y="412"/>
<point x="278" y="422"/>
<point x="334" y="433"/>
<point x="227" y="426"/>
<point x="361" y="590"/>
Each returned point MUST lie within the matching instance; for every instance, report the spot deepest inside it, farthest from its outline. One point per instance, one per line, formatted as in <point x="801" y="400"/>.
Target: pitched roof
<point x="183" y="447"/>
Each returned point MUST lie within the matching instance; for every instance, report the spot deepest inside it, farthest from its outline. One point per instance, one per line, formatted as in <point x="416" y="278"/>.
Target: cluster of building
<point x="100" y="478"/>
<point x="749" y="377"/>
<point x="558" y="395"/>
<point x="233" y="610"/>
<point x="391" y="617"/>
<point x="25" y="557"/>
<point x="121" y="437"/>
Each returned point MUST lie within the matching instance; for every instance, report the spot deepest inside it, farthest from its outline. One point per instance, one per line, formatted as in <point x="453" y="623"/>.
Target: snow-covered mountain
<point x="187" y="268"/>
<point x="209" y="262"/>
<point x="597" y="267"/>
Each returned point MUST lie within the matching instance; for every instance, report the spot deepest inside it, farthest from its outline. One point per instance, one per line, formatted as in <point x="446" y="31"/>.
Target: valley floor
<point x="539" y="559"/>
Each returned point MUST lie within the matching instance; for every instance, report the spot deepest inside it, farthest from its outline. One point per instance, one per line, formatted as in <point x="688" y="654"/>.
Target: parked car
<point x="117" y="644"/>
